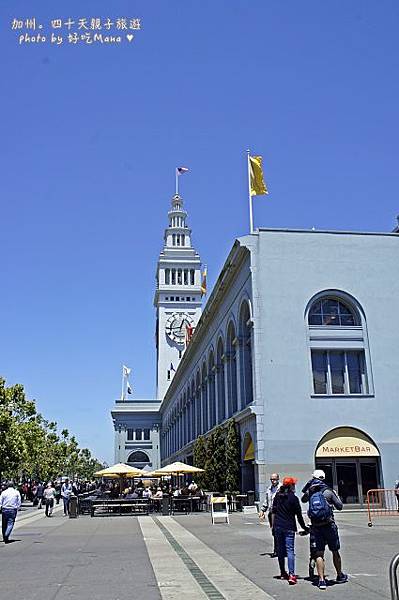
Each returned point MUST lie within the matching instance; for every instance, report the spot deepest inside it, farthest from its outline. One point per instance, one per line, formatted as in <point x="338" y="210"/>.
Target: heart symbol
<point x="130" y="36"/>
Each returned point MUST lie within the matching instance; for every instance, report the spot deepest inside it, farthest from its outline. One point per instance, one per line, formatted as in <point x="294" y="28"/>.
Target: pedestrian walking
<point x="49" y="497"/>
<point x="39" y="494"/>
<point x="266" y="508"/>
<point x="286" y="510"/>
<point x="324" y="531"/>
<point x="397" y="492"/>
<point x="10" y="502"/>
<point x="66" y="491"/>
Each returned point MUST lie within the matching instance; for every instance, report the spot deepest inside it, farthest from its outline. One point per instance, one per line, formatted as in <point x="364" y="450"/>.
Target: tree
<point x="30" y="446"/>
<point x="233" y="455"/>
<point x="219" y="459"/>
<point x="199" y="456"/>
<point x="15" y="410"/>
<point x="210" y="471"/>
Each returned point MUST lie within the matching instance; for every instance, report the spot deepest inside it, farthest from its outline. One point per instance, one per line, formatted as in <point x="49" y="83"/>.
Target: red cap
<point x="289" y="481"/>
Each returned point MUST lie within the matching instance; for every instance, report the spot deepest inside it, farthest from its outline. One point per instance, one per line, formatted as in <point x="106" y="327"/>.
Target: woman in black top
<point x="286" y="509"/>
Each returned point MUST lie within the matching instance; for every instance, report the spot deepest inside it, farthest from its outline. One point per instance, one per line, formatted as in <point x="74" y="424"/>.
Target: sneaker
<point x="292" y="580"/>
<point x="284" y="576"/>
<point x="322" y="584"/>
<point x="342" y="578"/>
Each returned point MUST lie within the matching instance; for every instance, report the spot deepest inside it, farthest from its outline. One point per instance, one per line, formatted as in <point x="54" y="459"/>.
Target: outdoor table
<point x="133" y="505"/>
<point x="186" y="504"/>
<point x="241" y="500"/>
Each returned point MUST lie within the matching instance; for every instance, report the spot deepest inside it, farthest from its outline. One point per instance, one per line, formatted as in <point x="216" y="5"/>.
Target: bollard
<point x="73" y="506"/>
<point x="251" y="497"/>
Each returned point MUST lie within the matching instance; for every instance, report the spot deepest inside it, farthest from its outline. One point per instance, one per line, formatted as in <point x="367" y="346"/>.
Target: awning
<point x="346" y="442"/>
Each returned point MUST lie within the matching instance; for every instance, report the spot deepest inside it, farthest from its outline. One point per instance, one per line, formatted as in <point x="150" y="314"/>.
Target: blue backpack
<point x="319" y="509"/>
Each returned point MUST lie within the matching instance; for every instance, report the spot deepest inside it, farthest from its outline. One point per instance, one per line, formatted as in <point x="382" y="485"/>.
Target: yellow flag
<point x="258" y="186"/>
<point x="203" y="282"/>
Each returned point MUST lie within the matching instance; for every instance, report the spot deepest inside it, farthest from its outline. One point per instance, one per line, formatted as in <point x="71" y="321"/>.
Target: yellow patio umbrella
<point x="121" y="471"/>
<point x="178" y="468"/>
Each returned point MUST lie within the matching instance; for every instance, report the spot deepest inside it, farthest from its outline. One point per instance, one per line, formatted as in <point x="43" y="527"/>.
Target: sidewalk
<point x="173" y="558"/>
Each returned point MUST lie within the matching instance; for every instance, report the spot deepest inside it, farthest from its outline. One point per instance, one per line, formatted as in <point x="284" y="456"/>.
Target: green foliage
<point x="219" y="460"/>
<point x="215" y="464"/>
<point x="199" y="456"/>
<point x="30" y="446"/>
<point x="232" y="457"/>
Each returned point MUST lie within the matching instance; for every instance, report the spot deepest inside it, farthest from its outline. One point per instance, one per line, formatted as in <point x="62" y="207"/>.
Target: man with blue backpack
<point x="324" y="530"/>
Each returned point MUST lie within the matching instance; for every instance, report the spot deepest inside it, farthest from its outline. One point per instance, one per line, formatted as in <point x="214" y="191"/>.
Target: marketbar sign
<point x="346" y="442"/>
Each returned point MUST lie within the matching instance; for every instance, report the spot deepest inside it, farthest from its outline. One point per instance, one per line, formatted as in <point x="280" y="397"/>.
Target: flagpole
<point x="177" y="183"/>
<point x="251" y="218"/>
<point x="123" y="381"/>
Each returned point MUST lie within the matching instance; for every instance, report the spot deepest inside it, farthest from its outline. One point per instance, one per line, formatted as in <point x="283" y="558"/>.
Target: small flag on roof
<point x="181" y="170"/>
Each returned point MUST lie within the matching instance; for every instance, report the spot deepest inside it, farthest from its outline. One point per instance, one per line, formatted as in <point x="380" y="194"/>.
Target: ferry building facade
<point x="297" y="342"/>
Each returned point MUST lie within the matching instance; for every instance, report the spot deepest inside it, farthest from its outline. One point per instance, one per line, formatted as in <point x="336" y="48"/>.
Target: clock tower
<point x="177" y="296"/>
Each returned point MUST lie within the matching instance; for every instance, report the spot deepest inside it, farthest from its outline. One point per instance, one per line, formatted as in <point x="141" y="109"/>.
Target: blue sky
<point x="90" y="138"/>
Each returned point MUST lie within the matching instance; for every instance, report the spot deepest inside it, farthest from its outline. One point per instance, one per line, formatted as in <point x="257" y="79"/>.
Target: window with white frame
<point x="339" y="372"/>
<point x="338" y="346"/>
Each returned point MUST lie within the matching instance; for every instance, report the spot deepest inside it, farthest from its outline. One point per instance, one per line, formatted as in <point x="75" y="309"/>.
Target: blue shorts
<point x="326" y="535"/>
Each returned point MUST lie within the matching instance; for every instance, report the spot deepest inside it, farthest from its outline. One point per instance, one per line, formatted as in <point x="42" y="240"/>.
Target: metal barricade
<point x="393" y="577"/>
<point x="382" y="503"/>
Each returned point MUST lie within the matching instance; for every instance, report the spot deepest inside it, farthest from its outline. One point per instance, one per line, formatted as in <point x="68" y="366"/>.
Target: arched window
<point x="204" y="391"/>
<point x="138" y="457"/>
<point x="231" y="369"/>
<point x="339" y="359"/>
<point x="246" y="387"/>
<point x="331" y="312"/>
<point x="211" y="380"/>
<point x="220" y="382"/>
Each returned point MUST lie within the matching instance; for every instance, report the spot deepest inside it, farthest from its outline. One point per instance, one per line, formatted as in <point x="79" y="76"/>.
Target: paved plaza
<point x="120" y="558"/>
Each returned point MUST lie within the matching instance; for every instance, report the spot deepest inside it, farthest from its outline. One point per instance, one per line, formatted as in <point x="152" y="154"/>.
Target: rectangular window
<point x="173" y="276"/>
<point x="182" y="240"/>
<point x="337" y="368"/>
<point x="319" y="368"/>
<point x="188" y="298"/>
<point x="339" y="372"/>
<point x="167" y="276"/>
<point x="192" y="276"/>
<point x="130" y="434"/>
<point x="146" y="434"/>
<point x="179" y="277"/>
<point x="139" y="434"/>
<point x="185" y="276"/>
<point x="356" y="373"/>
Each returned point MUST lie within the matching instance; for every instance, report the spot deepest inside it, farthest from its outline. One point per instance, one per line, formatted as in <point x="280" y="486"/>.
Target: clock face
<point x="176" y="326"/>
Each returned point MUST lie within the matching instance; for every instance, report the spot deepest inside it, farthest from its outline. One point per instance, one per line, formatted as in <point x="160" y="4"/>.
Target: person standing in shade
<point x="268" y="503"/>
<point x="66" y="491"/>
<point x="49" y="497"/>
<point x="286" y="509"/>
<point x="324" y="530"/>
<point x="10" y="502"/>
